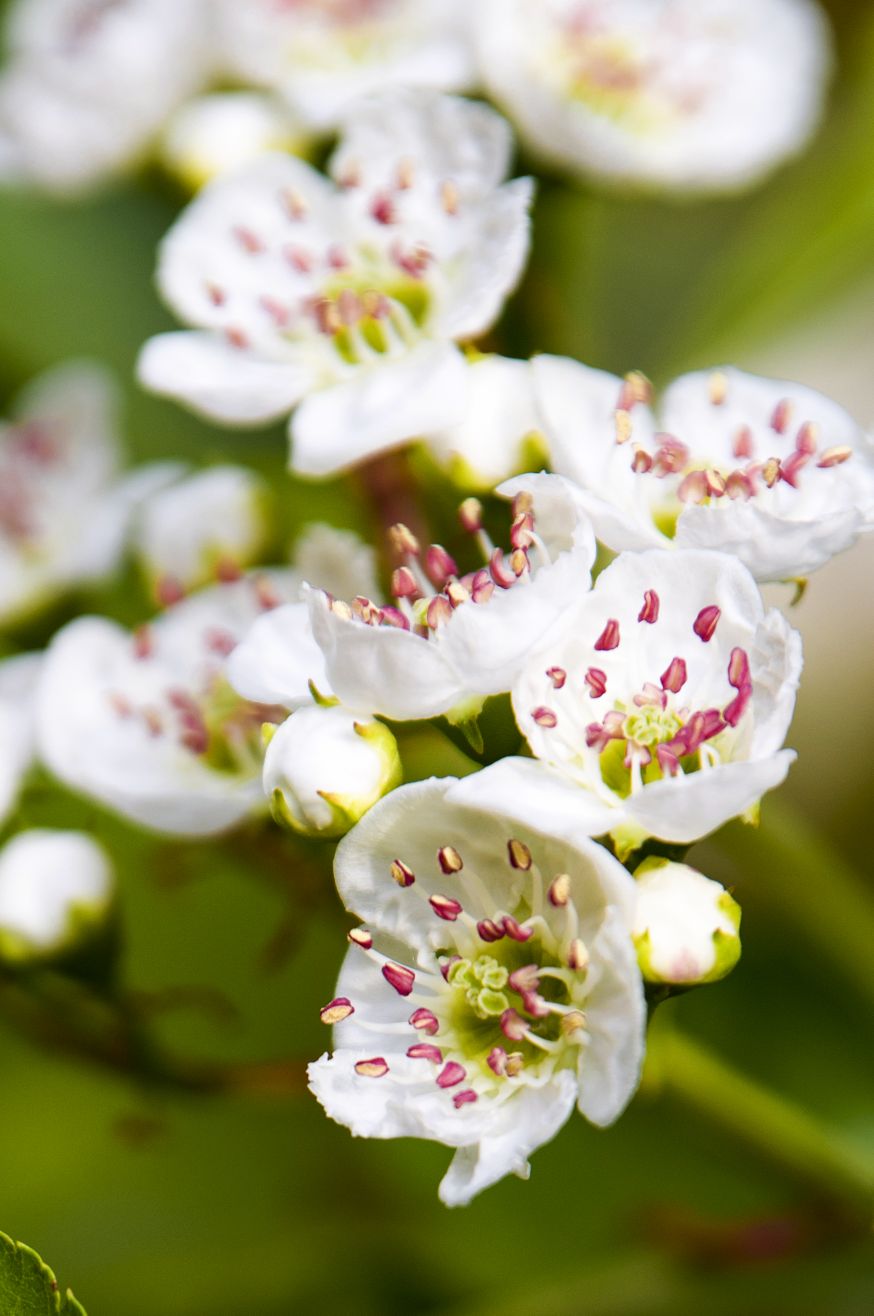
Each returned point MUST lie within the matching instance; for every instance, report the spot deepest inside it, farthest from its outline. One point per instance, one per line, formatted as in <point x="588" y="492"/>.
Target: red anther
<point x="446" y="965"/>
<point x="248" y="240"/>
<point x="780" y="416"/>
<point x="635" y="388"/>
<point x="789" y="468"/>
<point x="445" y="907"/>
<point x="522" y="502"/>
<point x="400" y="977"/>
<point x="733" y="712"/>
<point x="739" y="485"/>
<point x="382" y="209"/>
<point x="449" y="859"/>
<point x="771" y="472"/>
<point x="227" y="571"/>
<point x="489" y="930"/>
<point x="668" y="761"/>
<point x="596" y="680"/>
<point x="651" y="696"/>
<point x="641" y="462"/>
<point x="609" y="637"/>
<point x="693" y="487"/>
<point x="834" y="457"/>
<point x="614" y="724"/>
<point x="596" y="737"/>
<point x="557" y="676"/>
<point x="393" y="617"/>
<point x="712" y="723"/>
<point x="279" y="314"/>
<point x="360" y="937"/>
<point x="742" y="444"/>
<point x="424" y="1021"/>
<point x="296" y="206"/>
<point x="439" y="565"/>
<point x="534" y="1005"/>
<point x="439" y="610"/>
<point x="805" y="439"/>
<point x="497" y="1061"/>
<point x="500" y="572"/>
<point x="519" y="855"/>
<point x="544" y="717"/>
<point x="674" y="676"/>
<point x="704" y="624"/>
<point x="402" y="873"/>
<point x="738" y="668"/>
<point x="637" y="755"/>
<point x="515" y="930"/>
<point x="425" y="1051"/>
<point x="298" y="259"/>
<point x="470" y="515"/>
<point x="672" y="455"/>
<point x="577" y="955"/>
<point x="144" y="643"/>
<point x="457" y="593"/>
<point x="715" y="483"/>
<point x="376" y="1067"/>
<point x="519" y="562"/>
<point x="522" y="531"/>
<point x="337" y="1010"/>
<point x="216" y="295"/>
<point x="451" y="1074"/>
<point x="525" y="979"/>
<point x="513" y="1025"/>
<point x="337" y="258"/>
<point x="465" y="1098"/>
<point x="404" y="584"/>
<point x="650" y="610"/>
<point x="169" y="591"/>
<point x="237" y="338"/>
<point x="349" y="307"/>
<point x="559" y="891"/>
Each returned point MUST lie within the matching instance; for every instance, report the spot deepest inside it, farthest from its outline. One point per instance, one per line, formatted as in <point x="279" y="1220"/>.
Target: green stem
<point x="787" y="1136"/>
<point x="794" y="867"/>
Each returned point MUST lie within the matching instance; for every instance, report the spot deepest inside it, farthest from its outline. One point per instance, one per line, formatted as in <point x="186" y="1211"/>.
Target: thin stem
<point x="809" y="1151"/>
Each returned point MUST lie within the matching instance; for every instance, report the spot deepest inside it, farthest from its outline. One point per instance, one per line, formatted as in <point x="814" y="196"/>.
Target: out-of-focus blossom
<point x="56" y="890"/>
<point x="772" y="472"/>
<point x="216" y="134"/>
<point x="694" y="95"/>
<point x="451" y="638"/>
<point x="346" y="297"/>
<point x="685" y="925"/>
<point x="321" y="55"/>
<point x="493" y="988"/>
<point x="88" y="83"/>
<point x="662" y="706"/>
<point x="64" y="507"/>
<point x="148" y="724"/>
<point x="18" y="678"/>
<point x="324" y="768"/>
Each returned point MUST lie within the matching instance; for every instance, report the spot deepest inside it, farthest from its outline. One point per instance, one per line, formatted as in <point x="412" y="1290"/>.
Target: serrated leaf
<point x="28" y="1287"/>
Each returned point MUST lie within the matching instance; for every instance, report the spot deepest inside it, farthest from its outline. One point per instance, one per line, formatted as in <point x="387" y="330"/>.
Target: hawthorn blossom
<point x="88" y="83"/>
<point x="661" y="708"/>
<point x="56" y="890"/>
<point x="147" y="723"/>
<point x="493" y="987"/>
<point x="700" y="95"/>
<point x="772" y="472"/>
<point x="685" y="925"/>
<point x="452" y="637"/>
<point x="215" y="134"/>
<point x="18" y="678"/>
<point x="64" y="506"/>
<point x="322" y="56"/>
<point x="344" y="298"/>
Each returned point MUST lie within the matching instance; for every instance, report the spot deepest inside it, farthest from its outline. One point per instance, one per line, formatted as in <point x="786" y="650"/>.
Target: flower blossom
<point x="56" y="890"/>
<point x="451" y="637"/>
<point x="493" y="987"/>
<point x="18" y="678"/>
<point x="220" y="132"/>
<point x="344" y="299"/>
<point x="685" y="925"/>
<point x="147" y="723"/>
<point x="323" y="56"/>
<point x="695" y="95"/>
<point x="662" y="707"/>
<point x="772" y="472"/>
<point x="88" y="83"/>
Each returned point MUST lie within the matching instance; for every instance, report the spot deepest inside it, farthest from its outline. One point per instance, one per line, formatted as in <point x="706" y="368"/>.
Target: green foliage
<point x="28" y="1287"/>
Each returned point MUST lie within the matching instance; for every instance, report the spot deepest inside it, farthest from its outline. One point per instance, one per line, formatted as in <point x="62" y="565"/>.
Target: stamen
<point x="403" y="875"/>
<point x="693" y="487"/>
<point x="780" y="416"/>
<point x="513" y="1026"/>
<point x="559" y="892"/>
<point x="337" y="1010"/>
<point x="451" y="1074"/>
<point x="445" y="907"/>
<point x="449" y="859"/>
<point x="623" y="426"/>
<point x="650" y="610"/>
<point x="497" y="1061"/>
<point x="488" y="930"/>
<point x="577" y="955"/>
<point x="596" y="680"/>
<point x="464" y="1098"/>
<point x="771" y="472"/>
<point x="425" y="1051"/>
<point x="519" y="855"/>
<point x="834" y="457"/>
<point x="360" y="937"/>
<point x="424" y="1021"/>
<point x="439" y="565"/>
<point x="374" y="1068"/>
<point x="674" y="676"/>
<point x="544" y="717"/>
<point x="742" y="444"/>
<point x="515" y="930"/>
<point x="704" y="624"/>
<point x="557" y="676"/>
<point x="400" y="977"/>
<point x="609" y="637"/>
<point x="717" y="388"/>
<point x="470" y="515"/>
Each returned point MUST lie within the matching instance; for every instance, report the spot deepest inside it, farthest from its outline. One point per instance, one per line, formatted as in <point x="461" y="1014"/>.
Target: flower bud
<point x="324" y="769"/>
<point x="214" y="134"/>
<point x="685" y="925"/>
<point x="56" y="892"/>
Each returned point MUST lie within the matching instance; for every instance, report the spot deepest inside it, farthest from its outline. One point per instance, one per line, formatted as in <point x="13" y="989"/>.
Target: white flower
<point x="322" y="56"/>
<point x="209" y="525"/>
<point x="88" y="82"/>
<point x="662" y="707"/>
<point x="679" y="94"/>
<point x="56" y="888"/>
<point x="147" y="723"/>
<point x="494" y="986"/>
<point x="218" y="133"/>
<point x="18" y="678"/>
<point x="324" y="768"/>
<point x="64" y="508"/>
<point x="498" y="434"/>
<point x="345" y="297"/>
<point x="451" y="639"/>
<point x="772" y="472"/>
<point x="685" y="925"/>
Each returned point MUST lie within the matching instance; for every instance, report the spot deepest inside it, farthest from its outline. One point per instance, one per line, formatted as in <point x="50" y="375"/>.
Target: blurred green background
<point x="151" y="1204"/>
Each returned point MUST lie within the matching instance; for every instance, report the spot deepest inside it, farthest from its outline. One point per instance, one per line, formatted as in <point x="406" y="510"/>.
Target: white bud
<point x="324" y="769"/>
<point x="215" y="134"/>
<point x="685" y="925"/>
<point x="56" y="888"/>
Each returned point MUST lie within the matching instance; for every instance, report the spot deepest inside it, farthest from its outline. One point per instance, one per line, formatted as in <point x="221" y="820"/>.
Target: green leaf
<point x="28" y="1287"/>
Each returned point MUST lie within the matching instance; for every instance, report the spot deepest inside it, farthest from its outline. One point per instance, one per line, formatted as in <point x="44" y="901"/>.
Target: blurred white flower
<point x="215" y="134"/>
<point x="18" y="678"/>
<point x="661" y="708"/>
<point x="88" y="83"/>
<point x="64" y="507"/>
<point x="345" y="297"/>
<point x="147" y="723"/>
<point x="450" y="638"/>
<point x="685" y="925"/>
<point x="56" y="889"/>
<point x="695" y="95"/>
<point x="324" y="768"/>
<point x="321" y="55"/>
<point x="772" y="472"/>
<point x="494" y="987"/>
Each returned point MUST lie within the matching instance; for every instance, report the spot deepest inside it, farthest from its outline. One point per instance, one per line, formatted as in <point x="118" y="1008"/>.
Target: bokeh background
<point x="153" y="1204"/>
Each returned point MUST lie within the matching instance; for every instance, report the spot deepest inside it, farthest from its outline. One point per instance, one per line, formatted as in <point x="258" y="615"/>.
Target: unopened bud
<point x="685" y="925"/>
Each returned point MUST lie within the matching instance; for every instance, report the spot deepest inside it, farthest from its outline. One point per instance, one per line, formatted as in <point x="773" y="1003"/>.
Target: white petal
<point x="47" y="878"/>
<point x="541" y="797"/>
<point x="616" y="1022"/>
<point x="683" y="809"/>
<point x="18" y="679"/>
<point x="278" y="658"/>
<point x="336" y="560"/>
<point x="488" y="442"/>
<point x="772" y="547"/>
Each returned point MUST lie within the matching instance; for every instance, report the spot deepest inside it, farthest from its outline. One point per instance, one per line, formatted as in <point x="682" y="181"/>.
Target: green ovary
<point x="651" y="725"/>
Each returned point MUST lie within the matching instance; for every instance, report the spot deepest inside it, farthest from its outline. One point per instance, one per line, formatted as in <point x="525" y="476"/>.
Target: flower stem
<point x="794" y="867"/>
<point x="809" y="1151"/>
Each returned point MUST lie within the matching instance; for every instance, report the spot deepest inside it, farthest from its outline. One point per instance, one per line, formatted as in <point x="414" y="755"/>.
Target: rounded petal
<point x="683" y="809"/>
<point x="610" y="1065"/>
<point x="278" y="658"/>
<point x="499" y="423"/>
<point x="18" y="680"/>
